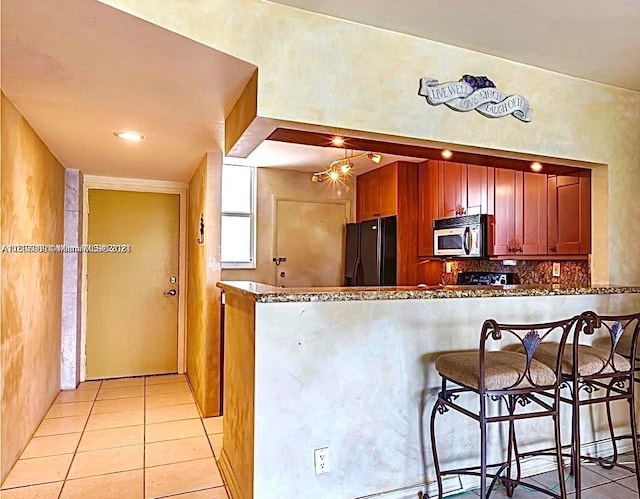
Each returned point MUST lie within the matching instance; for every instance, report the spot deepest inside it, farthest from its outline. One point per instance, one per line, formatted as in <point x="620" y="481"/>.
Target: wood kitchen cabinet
<point x="452" y="189"/>
<point x="448" y="189"/>
<point x="428" y="204"/>
<point x="463" y="189"/>
<point x="393" y="190"/>
<point x="377" y="193"/>
<point x="569" y="224"/>
<point x="520" y="214"/>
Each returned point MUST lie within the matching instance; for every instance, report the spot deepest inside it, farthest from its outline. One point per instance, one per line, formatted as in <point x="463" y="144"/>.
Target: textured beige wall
<point x="319" y="70"/>
<point x="203" y="298"/>
<point x="274" y="183"/>
<point x="196" y="283"/>
<point x="32" y="199"/>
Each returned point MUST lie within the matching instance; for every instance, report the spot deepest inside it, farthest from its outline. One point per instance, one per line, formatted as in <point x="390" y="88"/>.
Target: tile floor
<point x="143" y="438"/>
<point x="597" y="483"/>
<point x="123" y="439"/>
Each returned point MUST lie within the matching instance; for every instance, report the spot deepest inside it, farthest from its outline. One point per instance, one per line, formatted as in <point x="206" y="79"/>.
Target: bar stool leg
<point x="575" y="454"/>
<point x="483" y="447"/>
<point x="634" y="431"/>
<point x="614" y="441"/>
<point x="558" y="437"/>
<point x="438" y="408"/>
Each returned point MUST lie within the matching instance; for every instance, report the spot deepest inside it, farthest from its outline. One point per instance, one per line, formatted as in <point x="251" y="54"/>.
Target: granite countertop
<point x="263" y="293"/>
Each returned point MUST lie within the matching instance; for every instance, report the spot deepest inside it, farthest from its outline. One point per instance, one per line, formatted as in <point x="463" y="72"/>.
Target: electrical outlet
<point x="556" y="269"/>
<point x="447" y="267"/>
<point x="321" y="460"/>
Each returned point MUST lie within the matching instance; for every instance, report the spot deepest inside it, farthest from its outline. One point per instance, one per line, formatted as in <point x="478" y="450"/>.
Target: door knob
<point x="282" y="274"/>
<point x="171" y="292"/>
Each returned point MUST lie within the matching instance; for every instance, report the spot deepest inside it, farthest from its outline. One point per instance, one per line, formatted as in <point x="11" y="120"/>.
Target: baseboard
<point x="229" y="477"/>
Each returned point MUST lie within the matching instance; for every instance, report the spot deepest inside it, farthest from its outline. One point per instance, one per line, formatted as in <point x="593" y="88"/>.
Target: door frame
<point x="137" y="185"/>
<point x="348" y="217"/>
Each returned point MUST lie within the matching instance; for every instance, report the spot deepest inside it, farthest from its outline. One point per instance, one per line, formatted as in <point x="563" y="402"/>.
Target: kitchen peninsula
<point x="352" y="369"/>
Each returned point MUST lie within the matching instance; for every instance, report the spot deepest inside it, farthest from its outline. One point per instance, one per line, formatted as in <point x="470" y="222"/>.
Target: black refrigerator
<point x="370" y="255"/>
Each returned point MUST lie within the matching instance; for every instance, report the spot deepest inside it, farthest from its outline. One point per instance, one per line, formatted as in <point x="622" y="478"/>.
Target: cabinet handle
<point x="552" y="248"/>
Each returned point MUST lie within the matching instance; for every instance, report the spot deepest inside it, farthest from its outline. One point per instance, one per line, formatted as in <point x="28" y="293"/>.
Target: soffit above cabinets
<point x="394" y="151"/>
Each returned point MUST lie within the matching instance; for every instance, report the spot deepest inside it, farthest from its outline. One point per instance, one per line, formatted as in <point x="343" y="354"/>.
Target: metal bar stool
<point x="627" y="347"/>
<point x="519" y="387"/>
<point x="597" y="374"/>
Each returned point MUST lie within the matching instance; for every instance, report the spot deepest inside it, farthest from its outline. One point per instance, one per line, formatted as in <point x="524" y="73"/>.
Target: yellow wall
<point x="274" y="183"/>
<point x="203" y="298"/>
<point x="319" y="70"/>
<point x="32" y="198"/>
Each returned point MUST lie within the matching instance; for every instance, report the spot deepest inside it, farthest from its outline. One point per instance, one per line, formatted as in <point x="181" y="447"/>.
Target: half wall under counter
<point x="352" y="369"/>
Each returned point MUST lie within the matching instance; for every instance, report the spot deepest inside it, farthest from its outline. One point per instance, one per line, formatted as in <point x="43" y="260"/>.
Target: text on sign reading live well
<point x="66" y="248"/>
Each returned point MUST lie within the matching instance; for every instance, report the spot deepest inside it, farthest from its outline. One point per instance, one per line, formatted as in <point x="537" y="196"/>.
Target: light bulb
<point x="345" y="167"/>
<point x="337" y="141"/>
<point x="535" y="166"/>
<point x="334" y="175"/>
<point x="446" y="154"/>
<point x="133" y="136"/>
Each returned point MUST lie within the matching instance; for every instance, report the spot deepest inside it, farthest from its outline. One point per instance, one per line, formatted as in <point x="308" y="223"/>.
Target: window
<point x="238" y="218"/>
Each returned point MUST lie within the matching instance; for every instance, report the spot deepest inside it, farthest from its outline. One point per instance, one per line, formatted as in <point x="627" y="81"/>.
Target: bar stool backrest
<point x="525" y="338"/>
<point x="614" y="336"/>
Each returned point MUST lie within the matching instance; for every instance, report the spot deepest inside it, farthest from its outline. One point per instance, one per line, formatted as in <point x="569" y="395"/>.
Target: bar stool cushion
<point x="591" y="360"/>
<point x="502" y="370"/>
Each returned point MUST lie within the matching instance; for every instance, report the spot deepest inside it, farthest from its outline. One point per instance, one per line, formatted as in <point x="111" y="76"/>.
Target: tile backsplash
<point x="574" y="273"/>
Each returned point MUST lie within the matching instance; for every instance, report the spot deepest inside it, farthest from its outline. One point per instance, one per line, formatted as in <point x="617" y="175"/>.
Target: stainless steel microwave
<point x="461" y="237"/>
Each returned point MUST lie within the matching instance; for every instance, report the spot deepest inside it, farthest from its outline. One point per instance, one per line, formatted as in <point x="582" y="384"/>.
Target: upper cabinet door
<point x="388" y="190"/>
<point x="534" y="214"/>
<point x="367" y="196"/>
<point x="477" y="189"/>
<point x="428" y="205"/>
<point x="453" y="189"/>
<point x="569" y="224"/>
<point x="504" y="220"/>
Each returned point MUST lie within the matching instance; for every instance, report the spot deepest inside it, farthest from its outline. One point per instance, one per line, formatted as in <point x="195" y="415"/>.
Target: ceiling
<point x="591" y="39"/>
<point x="80" y="70"/>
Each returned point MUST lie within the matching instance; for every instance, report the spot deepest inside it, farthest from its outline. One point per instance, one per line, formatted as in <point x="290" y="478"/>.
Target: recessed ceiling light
<point x="132" y="136"/>
<point x="337" y="141"/>
<point x="535" y="166"/>
<point x="446" y="154"/>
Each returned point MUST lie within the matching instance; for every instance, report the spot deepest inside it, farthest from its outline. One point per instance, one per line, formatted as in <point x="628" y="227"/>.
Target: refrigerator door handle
<point x="357" y="272"/>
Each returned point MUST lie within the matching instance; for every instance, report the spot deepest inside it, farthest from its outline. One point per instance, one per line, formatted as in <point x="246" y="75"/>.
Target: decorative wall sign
<point x="474" y="92"/>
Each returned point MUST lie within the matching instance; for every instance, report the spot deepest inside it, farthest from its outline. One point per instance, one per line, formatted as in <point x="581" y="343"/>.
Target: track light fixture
<point x="341" y="167"/>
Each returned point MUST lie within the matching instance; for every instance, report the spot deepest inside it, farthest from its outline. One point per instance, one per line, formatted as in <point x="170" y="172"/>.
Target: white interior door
<point x="310" y="235"/>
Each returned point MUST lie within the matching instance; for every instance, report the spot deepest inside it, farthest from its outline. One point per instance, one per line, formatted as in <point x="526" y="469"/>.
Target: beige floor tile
<point x="123" y="485"/>
<point x="164" y="378"/>
<point x="113" y="437"/>
<point x="172" y="430"/>
<point x="115" y="420"/>
<point x="172" y="413"/>
<point x="122" y="392"/>
<point x="38" y="470"/>
<point x="213" y="425"/>
<point x="52" y="445"/>
<point x="167" y="399"/>
<point x="175" y="451"/>
<point x="100" y="462"/>
<point x="70" y="409"/>
<point x="67" y="396"/>
<point x="216" y="493"/>
<point x="216" y="443"/>
<point x="123" y="382"/>
<point x="181" y="477"/>
<point x="117" y="405"/>
<point x="57" y="426"/>
<point x="180" y="386"/>
<point x="46" y="491"/>
<point x="89" y="385"/>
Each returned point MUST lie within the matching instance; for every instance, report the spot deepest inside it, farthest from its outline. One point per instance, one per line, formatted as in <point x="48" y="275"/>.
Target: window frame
<point x="251" y="215"/>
